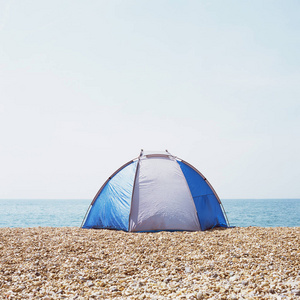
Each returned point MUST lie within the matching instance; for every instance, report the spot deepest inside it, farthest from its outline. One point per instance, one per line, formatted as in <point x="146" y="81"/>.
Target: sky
<point x="85" y="85"/>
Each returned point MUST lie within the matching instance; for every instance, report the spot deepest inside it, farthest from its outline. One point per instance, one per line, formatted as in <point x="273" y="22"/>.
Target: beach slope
<point x="73" y="263"/>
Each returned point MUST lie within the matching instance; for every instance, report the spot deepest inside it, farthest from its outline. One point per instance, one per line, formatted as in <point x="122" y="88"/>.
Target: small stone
<point x="296" y="292"/>
<point x="234" y="278"/>
<point x="90" y="283"/>
<point x="113" y="289"/>
<point x="271" y="291"/>
<point x="233" y="297"/>
<point x="200" y="295"/>
<point x="20" y="288"/>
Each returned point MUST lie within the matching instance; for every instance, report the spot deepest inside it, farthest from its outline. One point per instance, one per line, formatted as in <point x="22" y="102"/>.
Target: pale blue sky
<point x="84" y="85"/>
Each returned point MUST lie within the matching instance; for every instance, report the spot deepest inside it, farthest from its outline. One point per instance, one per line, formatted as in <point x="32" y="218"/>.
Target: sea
<point x="70" y="213"/>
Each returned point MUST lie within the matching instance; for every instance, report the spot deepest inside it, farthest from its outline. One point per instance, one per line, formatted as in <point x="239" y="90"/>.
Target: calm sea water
<point x="59" y="213"/>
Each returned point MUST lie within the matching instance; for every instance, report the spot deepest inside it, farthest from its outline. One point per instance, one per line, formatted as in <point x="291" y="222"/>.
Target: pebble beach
<point x="74" y="263"/>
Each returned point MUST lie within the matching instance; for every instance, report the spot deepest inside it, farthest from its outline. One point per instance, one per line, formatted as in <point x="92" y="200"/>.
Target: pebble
<point x="72" y="263"/>
<point x="90" y="283"/>
<point x="296" y="292"/>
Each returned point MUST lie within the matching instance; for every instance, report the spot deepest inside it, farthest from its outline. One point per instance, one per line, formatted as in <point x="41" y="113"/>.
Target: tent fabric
<point x="111" y="208"/>
<point x="161" y="198"/>
<point x="208" y="207"/>
<point x="154" y="192"/>
<point x="155" y="153"/>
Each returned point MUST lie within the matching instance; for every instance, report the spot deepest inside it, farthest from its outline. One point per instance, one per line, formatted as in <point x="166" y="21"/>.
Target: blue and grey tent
<point x="156" y="191"/>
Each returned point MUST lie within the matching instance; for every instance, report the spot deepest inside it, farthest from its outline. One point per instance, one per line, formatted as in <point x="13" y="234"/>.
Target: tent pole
<point x="135" y="176"/>
<point x="88" y="210"/>
<point x="224" y="212"/>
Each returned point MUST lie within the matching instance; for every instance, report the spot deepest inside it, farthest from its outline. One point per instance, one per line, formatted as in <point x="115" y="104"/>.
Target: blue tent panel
<point x="209" y="212"/>
<point x="112" y="207"/>
<point x="208" y="207"/>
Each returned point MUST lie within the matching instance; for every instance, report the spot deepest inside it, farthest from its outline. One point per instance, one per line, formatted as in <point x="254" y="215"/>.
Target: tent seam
<point x="190" y="194"/>
<point x="135" y="176"/>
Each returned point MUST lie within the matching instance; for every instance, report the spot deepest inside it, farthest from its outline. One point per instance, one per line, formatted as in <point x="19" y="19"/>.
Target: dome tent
<point x="156" y="191"/>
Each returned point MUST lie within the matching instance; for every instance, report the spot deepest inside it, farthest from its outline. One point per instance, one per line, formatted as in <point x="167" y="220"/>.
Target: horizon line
<point x="92" y="199"/>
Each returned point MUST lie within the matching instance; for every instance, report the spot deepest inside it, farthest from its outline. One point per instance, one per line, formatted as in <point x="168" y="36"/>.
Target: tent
<point x="156" y="191"/>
